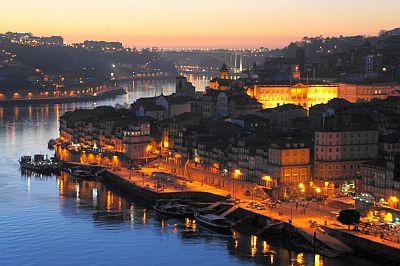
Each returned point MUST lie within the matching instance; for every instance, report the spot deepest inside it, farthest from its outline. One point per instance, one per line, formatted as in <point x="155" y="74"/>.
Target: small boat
<point x="175" y="210"/>
<point x="215" y="222"/>
<point x="81" y="174"/>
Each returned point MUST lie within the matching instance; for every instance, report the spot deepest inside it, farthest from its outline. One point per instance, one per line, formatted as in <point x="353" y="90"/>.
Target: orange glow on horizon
<point x="213" y="24"/>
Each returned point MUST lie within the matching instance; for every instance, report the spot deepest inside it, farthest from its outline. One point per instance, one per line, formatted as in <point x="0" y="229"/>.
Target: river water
<point x="55" y="220"/>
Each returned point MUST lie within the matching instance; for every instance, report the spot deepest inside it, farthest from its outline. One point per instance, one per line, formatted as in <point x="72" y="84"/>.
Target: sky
<point x="205" y="23"/>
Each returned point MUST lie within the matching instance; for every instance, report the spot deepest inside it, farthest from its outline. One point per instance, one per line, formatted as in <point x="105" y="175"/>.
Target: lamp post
<point x="291" y="212"/>
<point x="320" y="213"/>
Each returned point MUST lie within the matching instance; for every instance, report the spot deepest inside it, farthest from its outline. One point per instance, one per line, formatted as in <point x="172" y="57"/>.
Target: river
<point x="55" y="220"/>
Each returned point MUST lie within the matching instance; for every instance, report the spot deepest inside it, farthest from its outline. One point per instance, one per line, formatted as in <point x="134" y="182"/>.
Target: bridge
<point x="236" y="60"/>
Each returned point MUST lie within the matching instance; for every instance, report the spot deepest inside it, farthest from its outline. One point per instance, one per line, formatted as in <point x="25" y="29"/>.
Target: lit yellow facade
<point x="300" y="94"/>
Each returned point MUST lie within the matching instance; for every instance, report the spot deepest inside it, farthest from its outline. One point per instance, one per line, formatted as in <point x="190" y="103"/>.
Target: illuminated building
<point x="224" y="72"/>
<point x="381" y="180"/>
<point x="289" y="164"/>
<point x="299" y="94"/>
<point x="136" y="140"/>
<point x="223" y="82"/>
<point x="338" y="154"/>
<point x="367" y="92"/>
<point x="102" y="46"/>
<point x="305" y="95"/>
<point x="113" y="133"/>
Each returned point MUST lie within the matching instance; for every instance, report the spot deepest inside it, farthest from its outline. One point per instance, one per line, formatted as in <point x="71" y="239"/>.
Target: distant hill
<point x="81" y="62"/>
<point x="386" y="34"/>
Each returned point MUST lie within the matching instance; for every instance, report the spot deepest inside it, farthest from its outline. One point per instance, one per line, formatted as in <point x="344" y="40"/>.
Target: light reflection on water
<point x="49" y="220"/>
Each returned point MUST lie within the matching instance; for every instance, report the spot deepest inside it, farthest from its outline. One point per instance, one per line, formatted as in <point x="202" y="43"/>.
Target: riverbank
<point x="326" y="241"/>
<point x="94" y="97"/>
<point x="331" y="242"/>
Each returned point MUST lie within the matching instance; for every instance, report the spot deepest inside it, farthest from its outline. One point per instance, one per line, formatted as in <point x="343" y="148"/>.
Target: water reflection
<point x="109" y="207"/>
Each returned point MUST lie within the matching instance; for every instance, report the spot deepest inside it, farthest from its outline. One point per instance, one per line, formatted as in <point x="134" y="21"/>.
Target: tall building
<point x="289" y="165"/>
<point x="224" y="72"/>
<point x="381" y="179"/>
<point x="338" y="155"/>
<point x="136" y="140"/>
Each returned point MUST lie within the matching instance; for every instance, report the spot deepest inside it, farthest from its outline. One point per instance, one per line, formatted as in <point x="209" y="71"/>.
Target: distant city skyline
<point x="211" y="24"/>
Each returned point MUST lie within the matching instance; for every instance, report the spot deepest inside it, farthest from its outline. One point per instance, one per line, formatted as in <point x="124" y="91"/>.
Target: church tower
<point x="224" y="72"/>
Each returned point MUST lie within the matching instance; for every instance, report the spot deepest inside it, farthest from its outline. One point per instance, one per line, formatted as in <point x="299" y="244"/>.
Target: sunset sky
<point x="205" y="23"/>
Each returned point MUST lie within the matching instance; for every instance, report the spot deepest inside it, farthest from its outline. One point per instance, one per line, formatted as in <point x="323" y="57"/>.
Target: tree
<point x="349" y="217"/>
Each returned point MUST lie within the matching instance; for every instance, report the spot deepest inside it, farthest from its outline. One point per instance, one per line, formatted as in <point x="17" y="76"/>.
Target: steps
<point x="230" y="210"/>
<point x="327" y="240"/>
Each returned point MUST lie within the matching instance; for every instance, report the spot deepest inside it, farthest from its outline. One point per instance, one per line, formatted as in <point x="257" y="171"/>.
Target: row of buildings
<point x="104" y="135"/>
<point x="290" y="151"/>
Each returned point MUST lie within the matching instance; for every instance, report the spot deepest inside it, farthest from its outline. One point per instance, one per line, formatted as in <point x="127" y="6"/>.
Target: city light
<point x="266" y="178"/>
<point x="394" y="199"/>
<point x="302" y="187"/>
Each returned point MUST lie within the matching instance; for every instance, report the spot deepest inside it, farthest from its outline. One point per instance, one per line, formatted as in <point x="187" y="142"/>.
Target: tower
<point x="224" y="72"/>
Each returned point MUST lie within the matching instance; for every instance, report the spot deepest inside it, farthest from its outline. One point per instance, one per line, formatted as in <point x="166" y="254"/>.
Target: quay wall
<point x="367" y="248"/>
<point x="152" y="196"/>
<point x="237" y="188"/>
<point x="252" y="221"/>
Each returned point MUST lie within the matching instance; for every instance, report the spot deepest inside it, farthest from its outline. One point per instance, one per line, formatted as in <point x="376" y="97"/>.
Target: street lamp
<point x="320" y="214"/>
<point x="301" y="187"/>
<point x="267" y="179"/>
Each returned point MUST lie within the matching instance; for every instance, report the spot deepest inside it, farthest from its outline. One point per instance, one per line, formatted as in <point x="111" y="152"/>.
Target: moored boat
<point x="215" y="222"/>
<point x="174" y="209"/>
<point x="81" y="174"/>
<point x="39" y="164"/>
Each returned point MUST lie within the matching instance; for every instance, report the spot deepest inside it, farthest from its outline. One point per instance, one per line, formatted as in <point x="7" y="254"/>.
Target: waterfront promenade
<point x="322" y="213"/>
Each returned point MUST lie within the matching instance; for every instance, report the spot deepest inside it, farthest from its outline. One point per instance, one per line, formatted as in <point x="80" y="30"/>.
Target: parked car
<point x="251" y="205"/>
<point x="260" y="208"/>
<point x="266" y="201"/>
<point x="135" y="167"/>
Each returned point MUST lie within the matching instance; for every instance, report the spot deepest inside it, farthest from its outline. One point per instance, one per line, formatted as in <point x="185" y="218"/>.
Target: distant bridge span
<point x="234" y="60"/>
